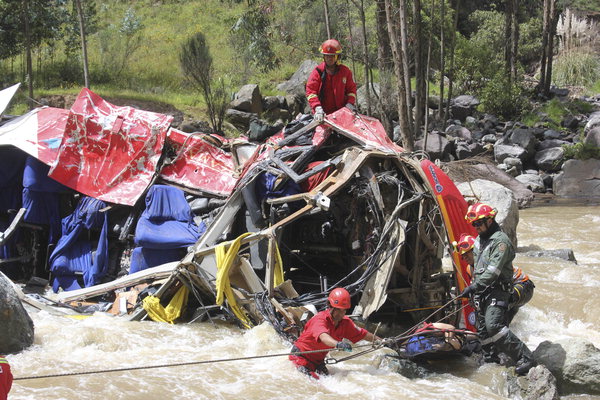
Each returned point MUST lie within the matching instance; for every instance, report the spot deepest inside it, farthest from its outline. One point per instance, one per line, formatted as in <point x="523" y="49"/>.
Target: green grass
<point x="556" y="110"/>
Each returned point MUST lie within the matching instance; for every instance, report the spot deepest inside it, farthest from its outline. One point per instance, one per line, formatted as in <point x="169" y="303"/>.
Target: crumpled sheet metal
<point x="201" y="165"/>
<point x="38" y="133"/>
<point x="109" y="152"/>
<point x="366" y="131"/>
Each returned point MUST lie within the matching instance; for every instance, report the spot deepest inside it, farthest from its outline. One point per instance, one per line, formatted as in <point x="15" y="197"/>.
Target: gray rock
<point x="438" y="147"/>
<point x="578" y="179"/>
<point x="571" y="121"/>
<point x="550" y="159"/>
<point x="593" y="121"/>
<point x="574" y="362"/>
<point x="534" y="182"/>
<point x="297" y="83"/>
<point x="374" y="93"/>
<point x="406" y="368"/>
<point x="460" y="132"/>
<point x="240" y="119"/>
<point x="550" y="143"/>
<point x="593" y="137"/>
<point x="489" y="138"/>
<point x="271" y="102"/>
<point x="490" y="172"/>
<point x="524" y="139"/>
<point x="498" y="197"/>
<point x="551" y="134"/>
<point x="502" y="151"/>
<point x="541" y="385"/>
<point x="248" y="99"/>
<point x="466" y="150"/>
<point x="463" y="106"/>
<point x="16" y="327"/>
<point x="563" y="254"/>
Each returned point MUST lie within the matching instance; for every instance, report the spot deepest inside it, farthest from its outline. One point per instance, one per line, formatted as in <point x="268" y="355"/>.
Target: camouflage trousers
<point x="495" y="334"/>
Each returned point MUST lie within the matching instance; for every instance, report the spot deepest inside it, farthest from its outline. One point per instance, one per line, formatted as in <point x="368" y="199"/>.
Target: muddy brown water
<point x="565" y="305"/>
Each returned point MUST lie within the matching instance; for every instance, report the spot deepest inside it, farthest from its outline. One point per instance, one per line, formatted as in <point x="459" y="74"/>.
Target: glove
<point x="343" y="346"/>
<point x="350" y="107"/>
<point x="319" y="114"/>
<point x="467" y="291"/>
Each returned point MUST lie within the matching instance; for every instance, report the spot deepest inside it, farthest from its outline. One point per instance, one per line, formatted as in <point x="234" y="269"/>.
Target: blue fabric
<point x="422" y="344"/>
<point x="167" y="222"/>
<point x="142" y="258"/>
<point x="41" y="197"/>
<point x="265" y="183"/>
<point x="73" y="252"/>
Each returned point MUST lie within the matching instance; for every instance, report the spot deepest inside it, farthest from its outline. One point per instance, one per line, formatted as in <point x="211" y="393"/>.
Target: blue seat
<point x="41" y="197"/>
<point x="164" y="230"/>
<point x="78" y="251"/>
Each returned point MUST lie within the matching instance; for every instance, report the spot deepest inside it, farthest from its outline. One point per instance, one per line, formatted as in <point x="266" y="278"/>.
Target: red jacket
<point x="309" y="339"/>
<point x="339" y="89"/>
<point x="6" y="378"/>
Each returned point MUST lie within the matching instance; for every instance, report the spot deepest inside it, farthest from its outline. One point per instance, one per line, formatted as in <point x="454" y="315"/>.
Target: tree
<point x="550" y="20"/>
<point x="400" y="60"/>
<point x="197" y="65"/>
<point x="86" y="74"/>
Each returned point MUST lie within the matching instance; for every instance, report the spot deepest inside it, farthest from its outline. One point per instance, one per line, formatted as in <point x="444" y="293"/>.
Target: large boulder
<point x="550" y="143"/>
<point x="574" y="362"/>
<point x="248" y="99"/>
<point x="16" y="327"/>
<point x="297" y="83"/>
<point x="524" y="139"/>
<point x="438" y="147"/>
<point x="502" y="151"/>
<point x="463" y="106"/>
<point x="593" y="122"/>
<point x="534" y="182"/>
<point x="593" y="137"/>
<point x="240" y="119"/>
<point x="498" y="197"/>
<point x="550" y="159"/>
<point x="578" y="179"/>
<point x="465" y="171"/>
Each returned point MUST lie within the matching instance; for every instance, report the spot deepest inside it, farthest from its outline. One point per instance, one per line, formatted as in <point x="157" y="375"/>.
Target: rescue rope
<point x="100" y="371"/>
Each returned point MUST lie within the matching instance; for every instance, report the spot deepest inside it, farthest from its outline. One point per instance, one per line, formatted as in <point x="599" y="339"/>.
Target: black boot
<point x="524" y="365"/>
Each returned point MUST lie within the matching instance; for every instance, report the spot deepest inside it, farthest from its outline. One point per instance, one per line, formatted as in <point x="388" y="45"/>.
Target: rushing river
<point x="565" y="304"/>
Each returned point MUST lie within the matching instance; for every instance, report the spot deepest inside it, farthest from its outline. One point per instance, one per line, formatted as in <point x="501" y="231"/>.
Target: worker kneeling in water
<point x="326" y="330"/>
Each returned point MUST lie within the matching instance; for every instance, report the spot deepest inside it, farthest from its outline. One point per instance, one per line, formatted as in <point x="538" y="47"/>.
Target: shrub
<point x="578" y="67"/>
<point x="501" y="98"/>
<point x="581" y="150"/>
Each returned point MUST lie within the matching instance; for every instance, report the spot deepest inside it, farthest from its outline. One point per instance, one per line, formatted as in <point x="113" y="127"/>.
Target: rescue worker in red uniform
<point x="6" y="378"/>
<point x="326" y="330"/>
<point x="330" y="85"/>
<point x="522" y="285"/>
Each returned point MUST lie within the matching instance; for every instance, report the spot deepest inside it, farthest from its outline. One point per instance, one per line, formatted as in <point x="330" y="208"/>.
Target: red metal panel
<point x="453" y="207"/>
<point x="101" y="161"/>
<point x="51" y="127"/>
<point x="201" y="165"/>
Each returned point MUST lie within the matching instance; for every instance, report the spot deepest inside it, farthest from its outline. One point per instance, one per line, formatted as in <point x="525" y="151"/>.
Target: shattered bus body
<point x="144" y="220"/>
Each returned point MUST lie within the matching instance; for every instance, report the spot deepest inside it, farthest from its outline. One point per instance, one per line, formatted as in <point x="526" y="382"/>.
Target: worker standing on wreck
<point x="491" y="287"/>
<point x="522" y="285"/>
<point x="326" y="330"/>
<point x="6" y="378"/>
<point x="330" y="85"/>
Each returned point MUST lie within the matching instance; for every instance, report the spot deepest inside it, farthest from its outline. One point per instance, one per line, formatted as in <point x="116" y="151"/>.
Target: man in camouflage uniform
<point x="491" y="287"/>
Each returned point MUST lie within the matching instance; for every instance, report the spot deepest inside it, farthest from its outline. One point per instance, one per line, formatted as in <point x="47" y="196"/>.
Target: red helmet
<point x="339" y="298"/>
<point x="465" y="244"/>
<point x="479" y="211"/>
<point x="330" y="47"/>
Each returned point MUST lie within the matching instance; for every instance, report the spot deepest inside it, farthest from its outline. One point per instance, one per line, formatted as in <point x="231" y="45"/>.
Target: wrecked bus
<point x="119" y="212"/>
